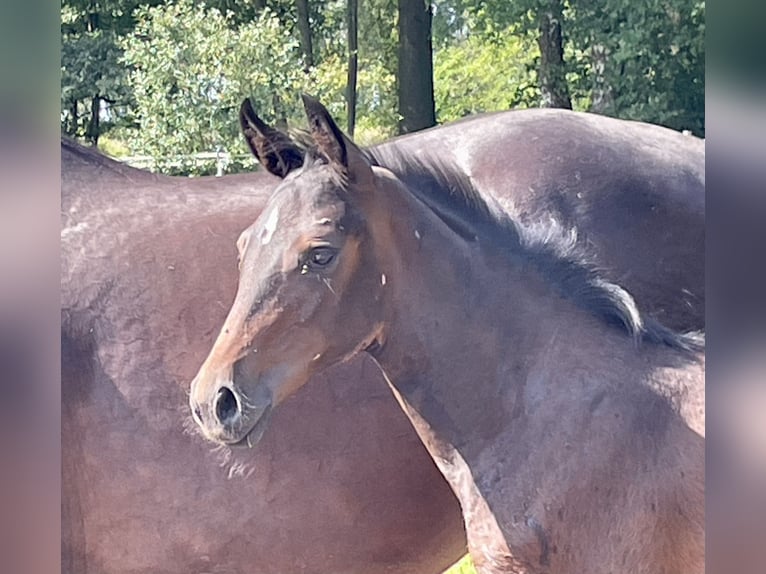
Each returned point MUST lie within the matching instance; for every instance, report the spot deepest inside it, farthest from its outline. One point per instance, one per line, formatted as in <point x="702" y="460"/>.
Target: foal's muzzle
<point x="225" y="417"/>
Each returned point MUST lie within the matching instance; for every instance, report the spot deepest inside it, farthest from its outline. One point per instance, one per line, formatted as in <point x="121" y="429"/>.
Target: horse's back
<point x="634" y="192"/>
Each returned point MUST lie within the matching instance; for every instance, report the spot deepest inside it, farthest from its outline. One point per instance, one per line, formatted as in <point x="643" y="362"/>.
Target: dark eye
<point x="318" y="258"/>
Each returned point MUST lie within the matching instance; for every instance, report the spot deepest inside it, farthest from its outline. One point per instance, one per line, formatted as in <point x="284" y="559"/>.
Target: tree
<point x="190" y="71"/>
<point x="167" y="77"/>
<point x="635" y="59"/>
<point x="464" y="78"/>
<point x="91" y="73"/>
<point x="552" y="72"/>
<point x="415" y="83"/>
<point x="643" y="60"/>
<point x="304" y="26"/>
<point x="353" y="63"/>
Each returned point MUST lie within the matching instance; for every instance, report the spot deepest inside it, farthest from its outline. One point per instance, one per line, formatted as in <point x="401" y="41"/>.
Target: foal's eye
<point x="318" y="258"/>
<point x="322" y="256"/>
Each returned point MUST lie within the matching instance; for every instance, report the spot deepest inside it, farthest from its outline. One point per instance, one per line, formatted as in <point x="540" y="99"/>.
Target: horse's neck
<point x="471" y="345"/>
<point x="496" y="372"/>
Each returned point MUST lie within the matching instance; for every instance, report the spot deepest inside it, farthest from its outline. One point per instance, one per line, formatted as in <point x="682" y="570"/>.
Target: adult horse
<point x="148" y="272"/>
<point x="569" y="425"/>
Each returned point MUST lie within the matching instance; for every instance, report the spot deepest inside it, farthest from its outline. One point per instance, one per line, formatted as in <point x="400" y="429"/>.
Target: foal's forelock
<point x="314" y="159"/>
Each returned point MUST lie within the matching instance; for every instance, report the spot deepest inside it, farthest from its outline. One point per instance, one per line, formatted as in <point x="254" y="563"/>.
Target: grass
<point x="462" y="566"/>
<point x="113" y="147"/>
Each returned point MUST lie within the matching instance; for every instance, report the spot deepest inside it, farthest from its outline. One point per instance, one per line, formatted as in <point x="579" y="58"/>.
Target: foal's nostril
<point x="226" y="407"/>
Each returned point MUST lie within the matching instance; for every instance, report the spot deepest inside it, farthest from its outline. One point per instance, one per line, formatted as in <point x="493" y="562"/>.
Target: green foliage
<point x="90" y="64"/>
<point x="451" y="22"/>
<point x="642" y="60"/>
<point x="378" y="35"/>
<point x="376" y="98"/>
<point x="377" y="117"/>
<point x="113" y="147"/>
<point x="468" y="79"/>
<point x="174" y="73"/>
<point x="190" y="71"/>
<point x="90" y="60"/>
<point x="463" y="566"/>
<point x="191" y="66"/>
<point x="654" y="58"/>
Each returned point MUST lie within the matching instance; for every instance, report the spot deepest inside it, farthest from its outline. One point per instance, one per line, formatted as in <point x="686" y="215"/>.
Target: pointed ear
<point x="340" y="151"/>
<point x="275" y="150"/>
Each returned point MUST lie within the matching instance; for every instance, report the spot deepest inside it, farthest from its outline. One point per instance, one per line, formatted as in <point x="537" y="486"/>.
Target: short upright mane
<point x="552" y="250"/>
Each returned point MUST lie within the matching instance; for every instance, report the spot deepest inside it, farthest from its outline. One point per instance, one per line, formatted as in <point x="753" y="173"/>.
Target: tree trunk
<point x="92" y="133"/>
<point x="73" y="119"/>
<point x="415" y="75"/>
<point x="353" y="47"/>
<point x="304" y="27"/>
<point x="93" y="21"/>
<point x="552" y="73"/>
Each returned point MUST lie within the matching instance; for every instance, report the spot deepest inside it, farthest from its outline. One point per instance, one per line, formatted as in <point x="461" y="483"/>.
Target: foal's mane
<point x="553" y="251"/>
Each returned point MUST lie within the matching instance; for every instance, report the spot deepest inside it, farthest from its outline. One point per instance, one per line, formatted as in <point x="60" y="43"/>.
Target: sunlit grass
<point x="462" y="566"/>
<point x="113" y="147"/>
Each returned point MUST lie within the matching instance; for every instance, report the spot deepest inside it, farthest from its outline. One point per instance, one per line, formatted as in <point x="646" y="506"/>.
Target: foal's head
<point x="309" y="282"/>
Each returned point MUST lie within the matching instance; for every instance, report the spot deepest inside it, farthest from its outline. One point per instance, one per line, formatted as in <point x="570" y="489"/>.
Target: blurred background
<point x="159" y="84"/>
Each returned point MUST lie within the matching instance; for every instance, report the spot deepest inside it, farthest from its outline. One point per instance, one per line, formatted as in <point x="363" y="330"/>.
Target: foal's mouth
<point x="254" y="435"/>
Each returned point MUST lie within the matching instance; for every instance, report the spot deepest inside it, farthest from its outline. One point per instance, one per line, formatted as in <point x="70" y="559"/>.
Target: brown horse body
<point x="570" y="426"/>
<point x="148" y="271"/>
<point x="634" y="192"/>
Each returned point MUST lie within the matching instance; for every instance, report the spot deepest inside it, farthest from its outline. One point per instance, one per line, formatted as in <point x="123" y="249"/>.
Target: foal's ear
<point x="339" y="150"/>
<point x="274" y="149"/>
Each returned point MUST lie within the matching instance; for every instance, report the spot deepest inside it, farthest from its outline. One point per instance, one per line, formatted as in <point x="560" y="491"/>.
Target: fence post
<point x="218" y="162"/>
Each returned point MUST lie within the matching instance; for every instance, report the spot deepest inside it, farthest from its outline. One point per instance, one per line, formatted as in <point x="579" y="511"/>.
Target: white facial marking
<point x="316" y="357"/>
<point x="383" y="279"/>
<point x="417" y="234"/>
<point x="270" y="226"/>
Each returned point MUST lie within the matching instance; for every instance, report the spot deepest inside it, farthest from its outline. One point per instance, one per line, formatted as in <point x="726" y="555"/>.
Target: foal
<point x="570" y="429"/>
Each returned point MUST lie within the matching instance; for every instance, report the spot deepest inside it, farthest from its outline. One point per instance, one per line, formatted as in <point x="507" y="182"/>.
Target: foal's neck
<point x="476" y="343"/>
<point x="505" y="381"/>
<point x="521" y="396"/>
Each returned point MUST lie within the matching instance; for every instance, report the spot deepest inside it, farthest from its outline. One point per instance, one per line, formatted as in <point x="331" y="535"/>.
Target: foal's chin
<point x="249" y="432"/>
